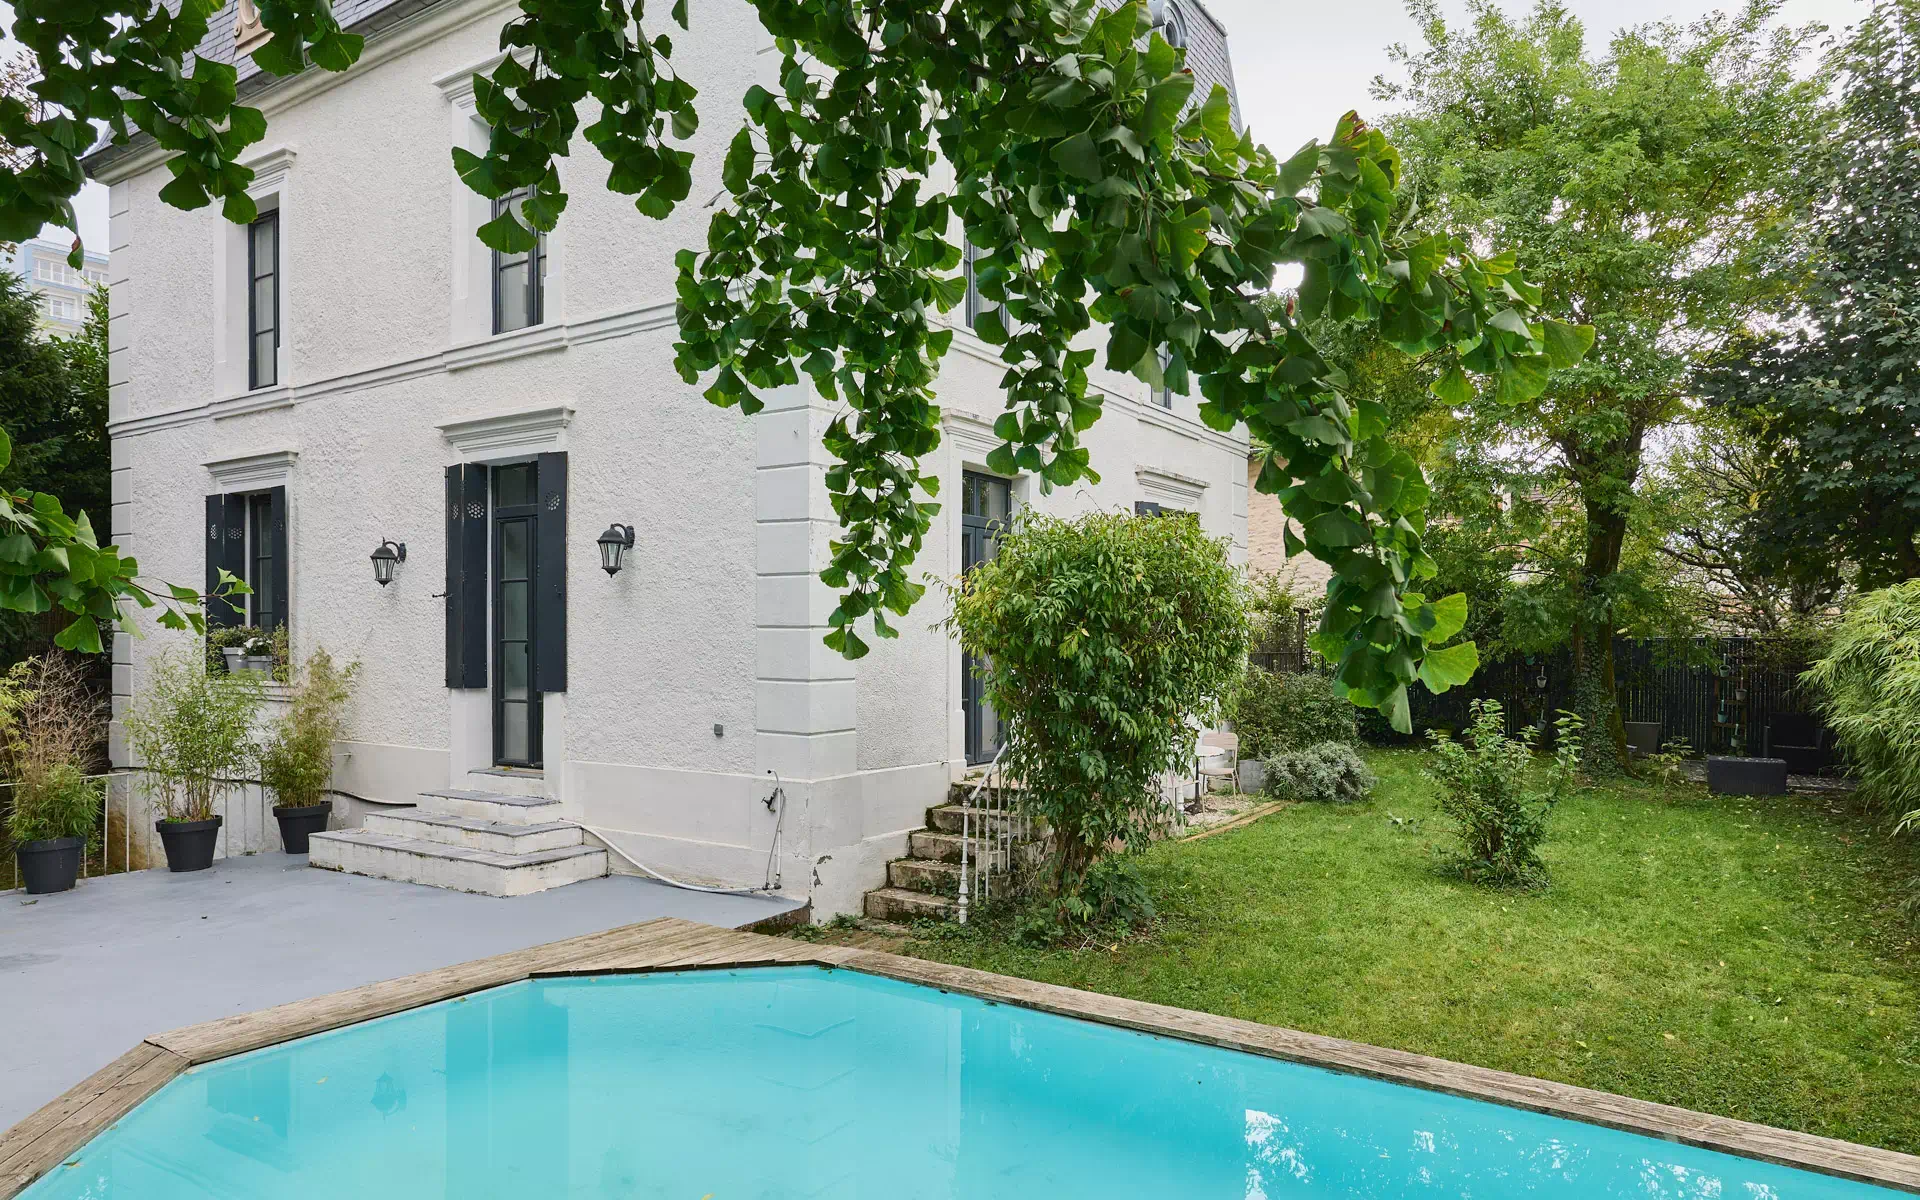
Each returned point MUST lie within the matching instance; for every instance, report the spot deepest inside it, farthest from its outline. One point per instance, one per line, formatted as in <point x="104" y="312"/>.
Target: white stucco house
<point x="357" y="369"/>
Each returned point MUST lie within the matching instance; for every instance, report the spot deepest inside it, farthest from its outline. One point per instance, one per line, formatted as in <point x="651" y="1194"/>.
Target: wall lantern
<point x="389" y="555"/>
<point x="614" y="544"/>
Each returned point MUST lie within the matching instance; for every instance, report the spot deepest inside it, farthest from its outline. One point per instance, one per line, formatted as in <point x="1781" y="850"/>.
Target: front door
<point x="984" y="503"/>
<point x="516" y="703"/>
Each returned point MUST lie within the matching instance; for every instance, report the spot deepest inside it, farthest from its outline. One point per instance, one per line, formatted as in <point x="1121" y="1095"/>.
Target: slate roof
<point x="1207" y="51"/>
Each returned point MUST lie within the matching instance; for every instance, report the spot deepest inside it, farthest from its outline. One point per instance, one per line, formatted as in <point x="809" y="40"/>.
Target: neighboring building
<point x="277" y="412"/>
<point x="61" y="291"/>
<point x="1306" y="576"/>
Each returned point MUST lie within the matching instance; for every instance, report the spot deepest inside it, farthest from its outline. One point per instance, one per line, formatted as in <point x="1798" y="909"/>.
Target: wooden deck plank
<point x="52" y="1134"/>
<point x="73" y="1099"/>
<point x="251" y="1031"/>
<point x="107" y="1102"/>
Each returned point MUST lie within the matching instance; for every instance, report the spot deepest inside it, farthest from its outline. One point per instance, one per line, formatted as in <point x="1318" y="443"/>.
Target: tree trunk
<point x="1595" y="694"/>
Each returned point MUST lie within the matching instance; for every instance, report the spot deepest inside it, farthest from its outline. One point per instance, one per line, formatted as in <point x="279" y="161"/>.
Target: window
<point x="247" y="538"/>
<point x="1173" y="26"/>
<point x="263" y="606"/>
<point x="65" y="308"/>
<point x="977" y="305"/>
<point x="519" y="280"/>
<point x="1163" y="395"/>
<point x="52" y="270"/>
<point x="263" y="302"/>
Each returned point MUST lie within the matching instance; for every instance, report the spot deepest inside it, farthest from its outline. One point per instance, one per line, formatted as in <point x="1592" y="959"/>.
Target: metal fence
<point x="1718" y="694"/>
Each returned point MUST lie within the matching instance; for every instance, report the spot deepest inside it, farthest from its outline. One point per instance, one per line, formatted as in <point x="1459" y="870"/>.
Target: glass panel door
<point x="985" y="503"/>
<point x="516" y="706"/>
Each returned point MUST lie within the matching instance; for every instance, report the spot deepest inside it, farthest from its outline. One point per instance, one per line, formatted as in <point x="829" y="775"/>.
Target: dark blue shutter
<point x="550" y="577"/>
<point x="277" y="543"/>
<point x="466" y="576"/>
<point x="226" y="546"/>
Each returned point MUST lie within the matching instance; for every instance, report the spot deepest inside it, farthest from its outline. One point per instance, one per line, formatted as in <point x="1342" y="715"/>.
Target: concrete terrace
<point x="87" y="973"/>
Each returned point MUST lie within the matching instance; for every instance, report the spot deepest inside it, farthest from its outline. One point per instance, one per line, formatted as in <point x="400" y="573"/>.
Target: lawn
<point x="1733" y="955"/>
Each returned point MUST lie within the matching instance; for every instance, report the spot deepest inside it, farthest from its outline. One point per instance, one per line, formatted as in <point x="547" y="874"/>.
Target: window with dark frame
<point x="1163" y="395"/>
<point x="977" y="305"/>
<point x="263" y="603"/>
<point x="263" y="301"/>
<point x="519" y="280"/>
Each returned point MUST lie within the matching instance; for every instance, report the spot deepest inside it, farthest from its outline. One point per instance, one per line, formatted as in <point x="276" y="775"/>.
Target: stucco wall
<point x="688" y="637"/>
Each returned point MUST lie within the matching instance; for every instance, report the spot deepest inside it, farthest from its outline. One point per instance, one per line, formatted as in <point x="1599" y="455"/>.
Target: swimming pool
<point x="770" y="1083"/>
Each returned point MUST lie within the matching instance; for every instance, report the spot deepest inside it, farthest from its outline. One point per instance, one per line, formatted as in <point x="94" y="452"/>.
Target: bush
<point x="1328" y="772"/>
<point x="1274" y="713"/>
<point x="296" y="763"/>
<point x="1105" y="640"/>
<point x="193" y="733"/>
<point x="1486" y="786"/>
<point x="1869" y="693"/>
<point x="50" y="723"/>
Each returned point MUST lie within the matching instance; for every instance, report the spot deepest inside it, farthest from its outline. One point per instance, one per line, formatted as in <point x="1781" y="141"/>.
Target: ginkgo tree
<point x="1111" y="206"/>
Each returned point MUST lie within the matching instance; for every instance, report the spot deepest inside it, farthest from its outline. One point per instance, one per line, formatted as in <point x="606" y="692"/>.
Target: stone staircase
<point x="501" y="836"/>
<point x="926" y="883"/>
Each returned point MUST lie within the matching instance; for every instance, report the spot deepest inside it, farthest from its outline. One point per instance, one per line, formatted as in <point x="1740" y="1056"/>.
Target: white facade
<point x="698" y="669"/>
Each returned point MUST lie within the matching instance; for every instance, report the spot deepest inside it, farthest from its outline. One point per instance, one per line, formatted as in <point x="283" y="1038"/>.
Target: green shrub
<point x="1106" y="638"/>
<point x="1869" y="692"/>
<point x="1275" y="712"/>
<point x="51" y="723"/>
<point x="1328" y="772"/>
<point x="1489" y="788"/>
<point x="62" y="803"/>
<point x="192" y="732"/>
<point x="296" y="762"/>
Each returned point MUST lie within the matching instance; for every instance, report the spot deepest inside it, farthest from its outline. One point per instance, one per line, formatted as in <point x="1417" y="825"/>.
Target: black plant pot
<point x="189" y="843"/>
<point x="49" y="866"/>
<point x="299" y="822"/>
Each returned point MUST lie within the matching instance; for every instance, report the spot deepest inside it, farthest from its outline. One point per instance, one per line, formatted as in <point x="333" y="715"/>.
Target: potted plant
<point x="296" y="763"/>
<point x="257" y="654"/>
<point x="193" y="735"/>
<point x="51" y="721"/>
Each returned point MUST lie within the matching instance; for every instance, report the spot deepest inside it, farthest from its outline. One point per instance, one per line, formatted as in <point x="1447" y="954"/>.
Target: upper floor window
<point x="1173" y="24"/>
<point x="1163" y="395"/>
<point x="263" y="301"/>
<point x="519" y="280"/>
<point x="65" y="308"/>
<point x="52" y="270"/>
<point x="977" y="304"/>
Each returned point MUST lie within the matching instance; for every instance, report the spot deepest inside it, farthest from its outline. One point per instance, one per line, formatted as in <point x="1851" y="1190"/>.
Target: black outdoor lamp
<point x="614" y="544"/>
<point x="389" y="555"/>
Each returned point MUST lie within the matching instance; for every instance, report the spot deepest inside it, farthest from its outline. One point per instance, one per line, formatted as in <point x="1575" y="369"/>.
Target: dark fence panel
<point x="1716" y="693"/>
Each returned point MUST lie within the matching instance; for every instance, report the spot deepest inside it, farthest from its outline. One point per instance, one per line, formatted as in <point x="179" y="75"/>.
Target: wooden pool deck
<point x="50" y="1136"/>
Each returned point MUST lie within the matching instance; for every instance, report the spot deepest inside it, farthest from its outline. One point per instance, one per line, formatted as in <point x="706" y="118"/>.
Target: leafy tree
<point x="1102" y="188"/>
<point x="1105" y="639"/>
<point x="1649" y="185"/>
<point x="1839" y="387"/>
<point x="1707" y="497"/>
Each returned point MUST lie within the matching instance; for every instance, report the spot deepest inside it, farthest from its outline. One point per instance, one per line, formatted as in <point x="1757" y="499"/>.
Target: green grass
<point x="1737" y="956"/>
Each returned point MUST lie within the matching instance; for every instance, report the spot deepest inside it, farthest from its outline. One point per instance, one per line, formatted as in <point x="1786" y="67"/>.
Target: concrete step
<point x="414" y="860"/>
<point x="508" y="781"/>
<point x="934" y="846"/>
<point x="970" y="789"/>
<point x="475" y="833"/>
<point x="920" y="875"/>
<point x="952" y="818"/>
<point x="900" y="904"/>
<point x="497" y="807"/>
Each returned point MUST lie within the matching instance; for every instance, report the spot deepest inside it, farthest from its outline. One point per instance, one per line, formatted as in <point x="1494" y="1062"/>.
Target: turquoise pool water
<point x="791" y="1082"/>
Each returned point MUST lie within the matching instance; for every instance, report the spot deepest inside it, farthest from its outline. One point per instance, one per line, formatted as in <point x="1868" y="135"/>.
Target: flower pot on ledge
<point x="298" y="822"/>
<point x="189" y="844"/>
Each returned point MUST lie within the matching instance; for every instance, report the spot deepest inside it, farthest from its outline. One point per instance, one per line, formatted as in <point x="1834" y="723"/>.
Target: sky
<point x="1300" y="66"/>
